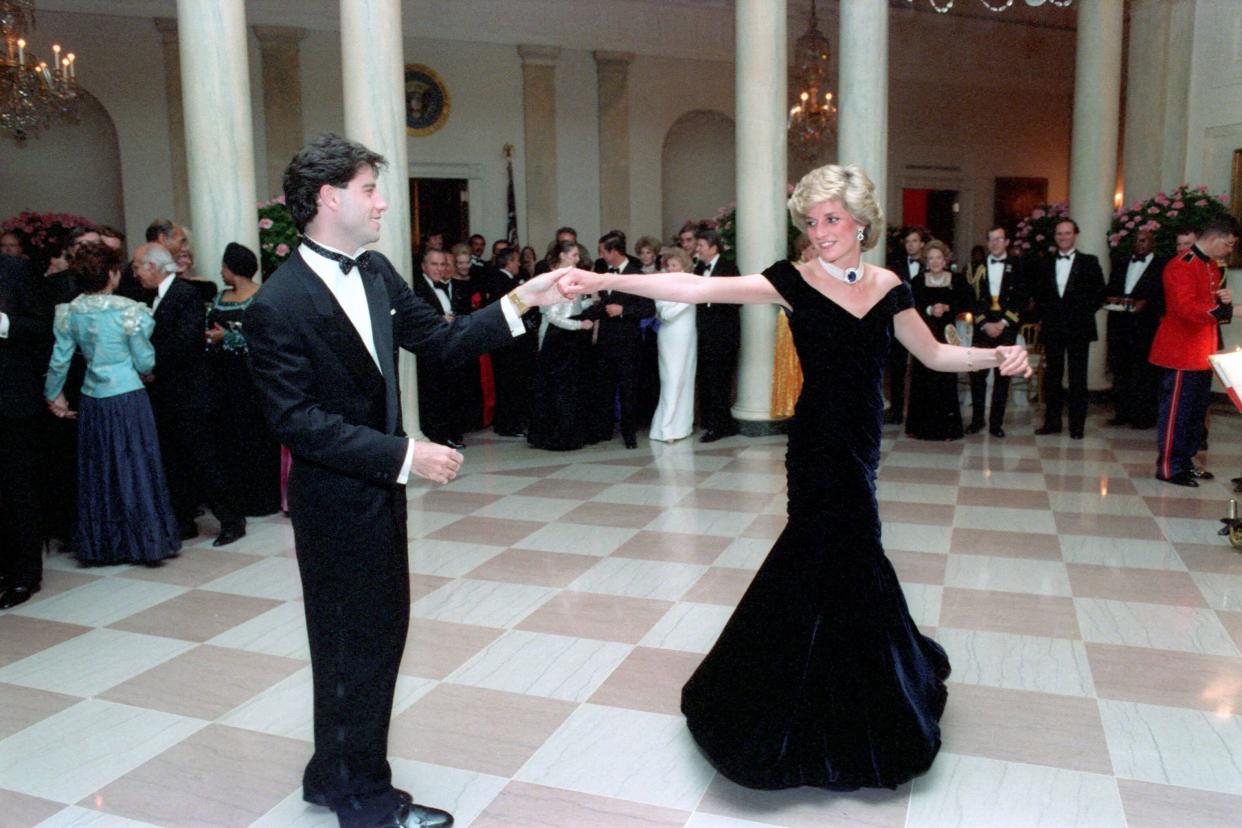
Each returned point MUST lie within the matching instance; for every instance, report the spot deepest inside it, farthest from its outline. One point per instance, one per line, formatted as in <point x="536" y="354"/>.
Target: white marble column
<point x="539" y="134"/>
<point x="373" y="65"/>
<point x="279" y="50"/>
<point x="1177" y="91"/>
<point x="761" y="81"/>
<point x="1146" y="72"/>
<point x="176" y="118"/>
<point x="612" y="82"/>
<point x="862" y="116"/>
<point x="1093" y="150"/>
<point x="215" y="80"/>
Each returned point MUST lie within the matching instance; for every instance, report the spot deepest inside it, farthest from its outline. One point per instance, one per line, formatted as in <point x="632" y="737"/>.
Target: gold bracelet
<point x="518" y="305"/>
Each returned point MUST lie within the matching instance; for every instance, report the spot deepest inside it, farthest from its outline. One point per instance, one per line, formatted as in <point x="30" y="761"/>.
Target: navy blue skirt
<point x="124" y="512"/>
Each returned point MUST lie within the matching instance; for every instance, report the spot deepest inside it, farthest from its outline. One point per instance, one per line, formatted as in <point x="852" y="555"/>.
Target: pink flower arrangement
<point x="265" y="223"/>
<point x="1034" y="232"/>
<point x="1164" y="214"/>
<point x="45" y="229"/>
<point x="277" y="234"/>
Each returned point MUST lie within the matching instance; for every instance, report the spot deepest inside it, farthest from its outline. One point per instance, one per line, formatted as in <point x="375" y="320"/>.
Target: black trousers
<point x="190" y="466"/>
<point x="1058" y="354"/>
<point x="619" y="364"/>
<point x="1000" y="385"/>
<point x="356" y="592"/>
<point x="713" y="383"/>
<point x="512" y="369"/>
<point x="21" y="547"/>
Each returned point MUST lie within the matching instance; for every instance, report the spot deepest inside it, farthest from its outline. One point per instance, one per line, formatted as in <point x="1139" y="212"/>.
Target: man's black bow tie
<point x="913" y="261"/>
<point x="440" y="286"/>
<point x="347" y="264"/>
<point x="1066" y="256"/>
<point x="614" y="270"/>
<point x="1138" y="258"/>
<point x="994" y="260"/>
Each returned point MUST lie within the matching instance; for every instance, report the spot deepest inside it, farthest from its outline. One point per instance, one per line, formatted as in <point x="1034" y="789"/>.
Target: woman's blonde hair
<point x="683" y="259"/>
<point x="648" y="242"/>
<point x="945" y="250"/>
<point x="848" y="185"/>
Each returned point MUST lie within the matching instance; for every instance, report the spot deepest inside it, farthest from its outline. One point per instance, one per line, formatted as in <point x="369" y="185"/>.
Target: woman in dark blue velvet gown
<point x="821" y="677"/>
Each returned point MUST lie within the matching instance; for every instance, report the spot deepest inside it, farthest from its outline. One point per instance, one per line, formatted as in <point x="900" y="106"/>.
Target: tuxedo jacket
<point x="624" y="330"/>
<point x="24" y="352"/>
<point x="1149" y="288"/>
<point x="337" y="411"/>
<point x="180" y="383"/>
<point x="1069" y="318"/>
<point x="427" y="293"/>
<point x="719" y="325"/>
<point x="901" y="266"/>
<point x="1014" y="296"/>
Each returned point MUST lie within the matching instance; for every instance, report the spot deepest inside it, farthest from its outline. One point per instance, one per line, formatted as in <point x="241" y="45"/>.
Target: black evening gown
<point x="248" y="454"/>
<point x="558" y="420"/>
<point x="933" y="411"/>
<point x="821" y="677"/>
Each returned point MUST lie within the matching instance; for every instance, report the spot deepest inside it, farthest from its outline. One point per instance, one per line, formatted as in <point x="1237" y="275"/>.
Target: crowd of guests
<point x="1163" y="322"/>
<point x="588" y="368"/>
<point x="128" y="405"/>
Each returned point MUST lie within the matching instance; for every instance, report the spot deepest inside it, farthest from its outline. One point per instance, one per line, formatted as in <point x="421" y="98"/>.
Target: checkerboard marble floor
<point x="1093" y="616"/>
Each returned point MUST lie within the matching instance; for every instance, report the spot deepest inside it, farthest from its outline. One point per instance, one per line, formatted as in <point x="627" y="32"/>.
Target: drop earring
<point x="862" y="234"/>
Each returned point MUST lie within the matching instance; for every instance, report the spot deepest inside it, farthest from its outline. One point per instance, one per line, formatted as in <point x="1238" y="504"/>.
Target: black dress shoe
<point x="188" y="531"/>
<point x="974" y="428"/>
<point x="1076" y="434"/>
<point x="17" y="595"/>
<point x="997" y="431"/>
<point x="229" y="534"/>
<point x="1118" y="421"/>
<point x="1201" y="474"/>
<point x="416" y="816"/>
<point x="892" y="417"/>
<point x="631" y="443"/>
<point x="1043" y="430"/>
<point x="1181" y="479"/>
<point x="709" y="437"/>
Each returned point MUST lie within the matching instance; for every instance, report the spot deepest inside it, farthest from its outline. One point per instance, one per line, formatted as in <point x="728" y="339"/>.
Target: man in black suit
<point x="323" y="333"/>
<point x="620" y="339"/>
<point x="438" y="398"/>
<point x="513" y="363"/>
<point x="913" y="240"/>
<point x="1069" y="289"/>
<point x="720" y="338"/>
<point x="180" y="397"/>
<point x="1135" y="283"/>
<point x="1001" y="296"/>
<point x="25" y="339"/>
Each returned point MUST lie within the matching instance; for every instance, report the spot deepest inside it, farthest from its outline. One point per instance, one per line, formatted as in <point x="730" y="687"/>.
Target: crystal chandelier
<point x="812" y="120"/>
<point x="943" y="6"/>
<point x="31" y="90"/>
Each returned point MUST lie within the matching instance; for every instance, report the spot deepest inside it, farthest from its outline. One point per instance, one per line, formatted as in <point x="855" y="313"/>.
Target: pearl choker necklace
<point x="850" y="275"/>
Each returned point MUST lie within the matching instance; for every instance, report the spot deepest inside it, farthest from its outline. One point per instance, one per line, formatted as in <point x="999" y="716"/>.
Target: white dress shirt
<point x="4" y="326"/>
<point x="707" y="271"/>
<point x="912" y="267"/>
<point x="1063" y="270"/>
<point x="445" y="297"/>
<point x="1135" y="272"/>
<point x="161" y="290"/>
<point x="996" y="275"/>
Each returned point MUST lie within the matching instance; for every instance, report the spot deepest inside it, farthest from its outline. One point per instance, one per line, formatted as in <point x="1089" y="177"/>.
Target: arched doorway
<point x="66" y="168"/>
<point x="698" y="167"/>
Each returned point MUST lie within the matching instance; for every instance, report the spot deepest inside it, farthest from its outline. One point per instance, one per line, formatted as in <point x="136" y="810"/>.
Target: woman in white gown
<point x="674" y="416"/>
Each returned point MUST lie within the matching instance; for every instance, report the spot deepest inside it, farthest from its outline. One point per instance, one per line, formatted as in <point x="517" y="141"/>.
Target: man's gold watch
<point x="518" y="305"/>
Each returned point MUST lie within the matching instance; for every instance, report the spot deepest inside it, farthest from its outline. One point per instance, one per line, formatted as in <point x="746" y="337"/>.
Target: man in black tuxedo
<point x="180" y="397"/>
<point x="25" y="340"/>
<point x="1135" y="283"/>
<point x="438" y="393"/>
<point x="620" y="339"/>
<point x="913" y="240"/>
<point x="1069" y="289"/>
<point x="720" y="338"/>
<point x="323" y="333"/>
<point x="1001" y="295"/>
<point x="513" y="364"/>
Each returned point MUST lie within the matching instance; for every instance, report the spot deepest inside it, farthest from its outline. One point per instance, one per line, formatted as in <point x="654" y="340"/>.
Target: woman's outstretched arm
<point x="913" y="333"/>
<point x="673" y="287"/>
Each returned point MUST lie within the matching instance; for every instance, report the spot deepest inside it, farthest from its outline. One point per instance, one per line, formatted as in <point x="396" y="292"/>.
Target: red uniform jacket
<point x="1187" y="333"/>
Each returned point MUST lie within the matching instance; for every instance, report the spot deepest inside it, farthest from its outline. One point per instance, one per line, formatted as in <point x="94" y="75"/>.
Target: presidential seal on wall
<point x="426" y="100"/>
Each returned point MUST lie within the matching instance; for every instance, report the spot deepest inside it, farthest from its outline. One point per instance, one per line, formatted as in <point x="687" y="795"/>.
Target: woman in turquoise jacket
<point x="123" y="512"/>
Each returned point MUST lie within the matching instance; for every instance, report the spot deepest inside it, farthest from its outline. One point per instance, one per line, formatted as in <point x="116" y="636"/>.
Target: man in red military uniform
<point x="1196" y="301"/>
